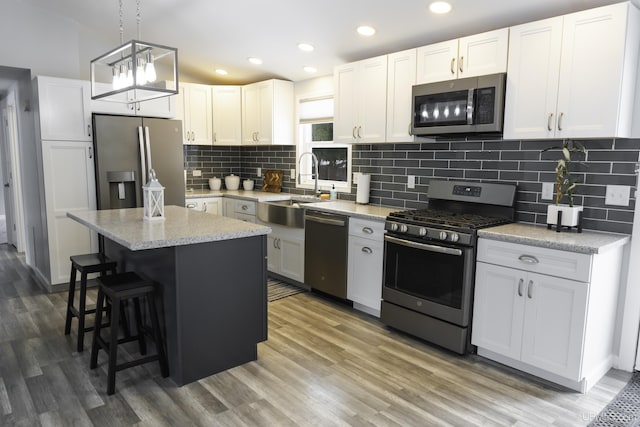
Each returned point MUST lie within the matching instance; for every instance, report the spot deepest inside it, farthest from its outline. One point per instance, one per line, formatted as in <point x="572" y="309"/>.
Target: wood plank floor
<point x="323" y="365"/>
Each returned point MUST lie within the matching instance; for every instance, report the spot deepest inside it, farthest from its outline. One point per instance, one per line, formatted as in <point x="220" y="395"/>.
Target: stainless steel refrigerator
<point x="126" y="148"/>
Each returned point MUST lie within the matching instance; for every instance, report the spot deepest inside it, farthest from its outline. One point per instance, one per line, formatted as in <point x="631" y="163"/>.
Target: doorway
<point x="9" y="220"/>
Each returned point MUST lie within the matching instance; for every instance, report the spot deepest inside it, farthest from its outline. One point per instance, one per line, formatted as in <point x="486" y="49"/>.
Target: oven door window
<point x="440" y="109"/>
<point x="425" y="274"/>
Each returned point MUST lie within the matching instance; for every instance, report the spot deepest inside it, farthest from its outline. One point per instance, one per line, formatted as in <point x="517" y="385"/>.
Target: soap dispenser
<point x="332" y="193"/>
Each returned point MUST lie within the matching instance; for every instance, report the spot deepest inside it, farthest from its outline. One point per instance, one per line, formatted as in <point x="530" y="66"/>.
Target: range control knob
<point x="403" y="228"/>
<point x="393" y="226"/>
<point x="422" y="231"/>
<point x="443" y="235"/>
<point x="455" y="237"/>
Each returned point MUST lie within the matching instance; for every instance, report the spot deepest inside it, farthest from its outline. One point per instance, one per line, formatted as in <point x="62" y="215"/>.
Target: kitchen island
<point x="211" y="274"/>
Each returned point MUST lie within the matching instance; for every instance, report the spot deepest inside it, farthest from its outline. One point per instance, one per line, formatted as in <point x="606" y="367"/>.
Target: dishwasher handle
<point x="326" y="219"/>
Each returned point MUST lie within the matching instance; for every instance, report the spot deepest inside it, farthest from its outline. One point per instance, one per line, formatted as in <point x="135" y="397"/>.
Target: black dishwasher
<point x="325" y="252"/>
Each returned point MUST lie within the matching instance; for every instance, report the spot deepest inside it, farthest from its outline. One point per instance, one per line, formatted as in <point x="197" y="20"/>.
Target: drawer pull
<point x="530" y="289"/>
<point x="367" y="230"/>
<point x="528" y="259"/>
<point x="367" y="250"/>
<point x="520" y="283"/>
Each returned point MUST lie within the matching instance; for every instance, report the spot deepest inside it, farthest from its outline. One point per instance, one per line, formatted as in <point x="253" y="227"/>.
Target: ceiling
<point x="213" y="34"/>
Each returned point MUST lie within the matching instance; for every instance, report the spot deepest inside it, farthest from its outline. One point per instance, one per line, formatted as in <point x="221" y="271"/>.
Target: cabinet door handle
<point x="88" y="130"/>
<point x="367" y="230"/>
<point x="453" y="61"/>
<point x="460" y="63"/>
<point x="367" y="250"/>
<point x="138" y="106"/>
<point x="214" y="137"/>
<point x="520" y="283"/>
<point x="204" y="205"/>
<point x="560" y="121"/>
<point x="359" y="129"/>
<point x="193" y="134"/>
<point x="191" y="205"/>
<point x="409" y="131"/>
<point x="91" y="152"/>
<point x="130" y="106"/>
<point x="528" y="259"/>
<point x="549" y="126"/>
<point x="353" y="132"/>
<point x="530" y="289"/>
<point x="244" y="207"/>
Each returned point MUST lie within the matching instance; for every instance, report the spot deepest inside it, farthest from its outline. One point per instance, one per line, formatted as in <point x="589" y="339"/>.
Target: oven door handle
<point x="424" y="246"/>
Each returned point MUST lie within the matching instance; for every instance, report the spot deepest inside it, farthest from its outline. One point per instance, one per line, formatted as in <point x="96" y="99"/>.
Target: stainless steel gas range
<point x="429" y="260"/>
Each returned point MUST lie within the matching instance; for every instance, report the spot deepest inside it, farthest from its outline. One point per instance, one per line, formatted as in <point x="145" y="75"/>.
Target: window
<point x="316" y="136"/>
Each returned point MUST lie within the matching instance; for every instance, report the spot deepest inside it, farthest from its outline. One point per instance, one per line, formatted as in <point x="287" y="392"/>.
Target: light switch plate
<point x="617" y="195"/>
<point x="547" y="191"/>
<point x="293" y="174"/>
<point x="259" y="171"/>
<point x="197" y="172"/>
<point x="356" y="175"/>
<point x="411" y="181"/>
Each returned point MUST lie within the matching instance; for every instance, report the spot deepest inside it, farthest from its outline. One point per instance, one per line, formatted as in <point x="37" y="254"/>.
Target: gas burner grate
<point x="448" y="218"/>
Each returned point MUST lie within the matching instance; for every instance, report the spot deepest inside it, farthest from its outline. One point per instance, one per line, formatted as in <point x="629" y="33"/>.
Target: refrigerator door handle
<point x="143" y="165"/>
<point x="148" y="141"/>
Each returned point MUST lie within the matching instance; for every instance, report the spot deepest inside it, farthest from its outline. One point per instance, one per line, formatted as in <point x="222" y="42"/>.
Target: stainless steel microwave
<point x="462" y="106"/>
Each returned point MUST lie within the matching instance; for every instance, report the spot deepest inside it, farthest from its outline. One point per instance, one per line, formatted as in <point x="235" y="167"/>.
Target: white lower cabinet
<point x="527" y="317"/>
<point x="365" y="257"/>
<point x="244" y="210"/>
<point x="210" y="205"/>
<point x="69" y="185"/>
<point x="285" y="251"/>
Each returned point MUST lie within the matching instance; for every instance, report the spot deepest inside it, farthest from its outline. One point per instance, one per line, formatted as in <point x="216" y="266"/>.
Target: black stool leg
<point x="96" y="330"/>
<point x="81" y="311"/>
<point x="157" y="336"/>
<point x="72" y="290"/>
<point x="113" y="345"/>
<point x="139" y="329"/>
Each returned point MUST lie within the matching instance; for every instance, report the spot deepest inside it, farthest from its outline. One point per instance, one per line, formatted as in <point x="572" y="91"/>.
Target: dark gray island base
<point x="214" y="300"/>
<point x="211" y="277"/>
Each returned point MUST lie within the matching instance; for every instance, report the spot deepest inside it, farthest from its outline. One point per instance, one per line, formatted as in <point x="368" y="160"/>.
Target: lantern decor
<point x="153" y="198"/>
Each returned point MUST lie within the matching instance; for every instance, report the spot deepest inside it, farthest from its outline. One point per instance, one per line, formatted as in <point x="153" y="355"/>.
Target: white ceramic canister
<point x="215" y="183"/>
<point x="232" y="182"/>
<point x="247" y="184"/>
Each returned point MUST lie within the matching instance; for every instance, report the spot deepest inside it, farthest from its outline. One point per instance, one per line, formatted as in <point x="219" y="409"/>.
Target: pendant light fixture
<point x="134" y="71"/>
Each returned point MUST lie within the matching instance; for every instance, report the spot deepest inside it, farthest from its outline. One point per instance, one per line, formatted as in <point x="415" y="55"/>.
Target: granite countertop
<point x="352" y="209"/>
<point x="181" y="226"/>
<point x="255" y="195"/>
<point x="587" y="242"/>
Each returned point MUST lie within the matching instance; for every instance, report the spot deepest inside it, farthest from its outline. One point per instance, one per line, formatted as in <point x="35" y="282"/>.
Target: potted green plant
<point x="565" y="185"/>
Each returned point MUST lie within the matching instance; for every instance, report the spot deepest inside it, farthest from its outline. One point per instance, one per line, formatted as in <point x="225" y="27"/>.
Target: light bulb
<point x="150" y="69"/>
<point x="122" y="79"/>
<point x="129" y="75"/>
<point x="115" y="84"/>
<point x="141" y="78"/>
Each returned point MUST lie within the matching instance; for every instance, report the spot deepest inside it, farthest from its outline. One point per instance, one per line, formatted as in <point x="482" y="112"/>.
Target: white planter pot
<point x="570" y="214"/>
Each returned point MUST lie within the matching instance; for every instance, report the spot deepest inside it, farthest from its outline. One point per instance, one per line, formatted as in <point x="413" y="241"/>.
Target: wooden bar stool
<point x="85" y="264"/>
<point x="117" y="289"/>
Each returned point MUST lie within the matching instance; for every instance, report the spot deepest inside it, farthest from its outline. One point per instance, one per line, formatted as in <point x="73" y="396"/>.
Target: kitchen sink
<point x="285" y="212"/>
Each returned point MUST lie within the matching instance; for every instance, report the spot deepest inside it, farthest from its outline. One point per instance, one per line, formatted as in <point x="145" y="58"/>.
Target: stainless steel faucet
<point x="313" y="175"/>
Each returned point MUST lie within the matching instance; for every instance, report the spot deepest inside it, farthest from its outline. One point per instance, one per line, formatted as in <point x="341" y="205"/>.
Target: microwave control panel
<point x="485" y="105"/>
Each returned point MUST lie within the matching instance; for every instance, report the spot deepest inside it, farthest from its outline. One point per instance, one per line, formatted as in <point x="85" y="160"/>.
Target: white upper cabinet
<point x="227" y="113"/>
<point x="64" y="107"/>
<point x="268" y="113"/>
<point x="470" y="56"/>
<point x="401" y="76"/>
<point x="195" y="110"/>
<point x="573" y="76"/>
<point x="360" y="101"/>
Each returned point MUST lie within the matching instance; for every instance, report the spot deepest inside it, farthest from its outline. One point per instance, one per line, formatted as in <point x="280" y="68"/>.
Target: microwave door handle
<point x="470" y="106"/>
<point x="143" y="164"/>
<point x="148" y="143"/>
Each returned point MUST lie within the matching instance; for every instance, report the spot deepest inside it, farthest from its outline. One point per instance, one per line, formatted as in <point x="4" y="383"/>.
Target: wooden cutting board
<point x="272" y="181"/>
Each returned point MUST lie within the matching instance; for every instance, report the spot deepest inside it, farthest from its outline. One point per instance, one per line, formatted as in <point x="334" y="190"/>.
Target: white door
<point x="498" y="309"/>
<point x="372" y="111"/>
<point x="65" y="109"/>
<point x="227" y="115"/>
<point x="198" y="114"/>
<point x="68" y="173"/>
<point x="401" y="76"/>
<point x="250" y="113"/>
<point x="5" y="155"/>
<point x="554" y="324"/>
<point x="364" y="274"/>
<point x="532" y="79"/>
<point x="437" y="62"/>
<point x="483" y="54"/>
<point x="291" y="258"/>
<point x="344" y="103"/>
<point x="15" y="223"/>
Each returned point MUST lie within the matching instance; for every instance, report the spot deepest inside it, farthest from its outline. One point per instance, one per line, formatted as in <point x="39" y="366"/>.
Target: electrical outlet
<point x="617" y="195"/>
<point x="259" y="171"/>
<point x="197" y="172"/>
<point x="356" y="175"/>
<point x="547" y="191"/>
<point x="293" y="174"/>
<point x="411" y="181"/>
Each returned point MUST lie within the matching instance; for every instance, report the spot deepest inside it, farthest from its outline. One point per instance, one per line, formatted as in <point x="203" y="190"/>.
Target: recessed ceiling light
<point x="311" y="69"/>
<point x="365" y="30"/>
<point x="440" y="7"/>
<point x="256" y="61"/>
<point x="305" y="47"/>
<point x="221" y="72"/>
